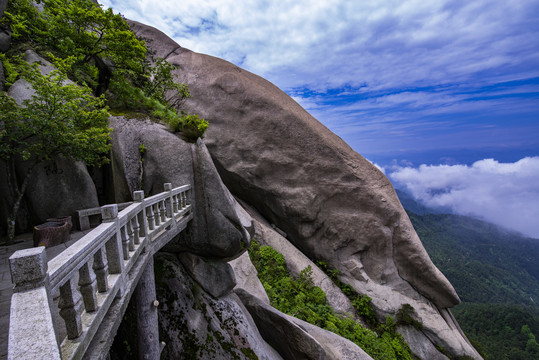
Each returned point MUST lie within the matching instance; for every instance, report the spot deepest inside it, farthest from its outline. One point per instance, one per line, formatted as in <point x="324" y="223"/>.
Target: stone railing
<point x="88" y="277"/>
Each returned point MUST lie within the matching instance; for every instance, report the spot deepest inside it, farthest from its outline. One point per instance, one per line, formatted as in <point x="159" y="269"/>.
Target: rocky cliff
<point x="334" y="205"/>
<point x="304" y="191"/>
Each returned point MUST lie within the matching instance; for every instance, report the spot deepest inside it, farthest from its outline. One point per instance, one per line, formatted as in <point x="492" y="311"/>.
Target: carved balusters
<point x="130" y="233"/>
<point x="162" y="210"/>
<point x="184" y="199"/>
<point x="125" y="242"/>
<point x="113" y="246"/>
<point x="141" y="218"/>
<point x="136" y="229"/>
<point x="88" y="287"/>
<point x="157" y="214"/>
<point x="169" y="202"/>
<point x="175" y="203"/>
<point x="101" y="269"/>
<point x="142" y="221"/>
<point x="70" y="305"/>
<point x="151" y="217"/>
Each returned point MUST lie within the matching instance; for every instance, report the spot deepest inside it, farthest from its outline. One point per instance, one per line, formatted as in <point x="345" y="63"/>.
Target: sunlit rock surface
<point x="334" y="205"/>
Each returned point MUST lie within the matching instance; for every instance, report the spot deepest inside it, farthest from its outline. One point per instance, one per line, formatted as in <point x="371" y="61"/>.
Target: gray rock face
<point x="219" y="223"/>
<point x="296" y="261"/>
<point x="3" y="4"/>
<point x="165" y="157"/>
<point x="302" y="340"/>
<point x="274" y="155"/>
<point x="247" y="277"/>
<point x="334" y="204"/>
<point x="424" y="349"/>
<point x="59" y="188"/>
<point x="219" y="229"/>
<point x="5" y="40"/>
<point x="197" y="326"/>
<point x="215" y="277"/>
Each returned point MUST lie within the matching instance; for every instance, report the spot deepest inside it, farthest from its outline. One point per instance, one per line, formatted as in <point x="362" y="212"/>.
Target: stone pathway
<point x="23" y="241"/>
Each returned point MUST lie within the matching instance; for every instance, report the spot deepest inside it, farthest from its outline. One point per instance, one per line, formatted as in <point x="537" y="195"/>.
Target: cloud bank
<point x="505" y="194"/>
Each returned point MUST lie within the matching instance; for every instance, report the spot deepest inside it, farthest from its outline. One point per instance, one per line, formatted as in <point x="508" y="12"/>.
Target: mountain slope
<point x="483" y="262"/>
<point x="496" y="274"/>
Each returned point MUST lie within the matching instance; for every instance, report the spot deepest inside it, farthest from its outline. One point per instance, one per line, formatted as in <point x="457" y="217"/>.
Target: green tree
<point x="101" y="42"/>
<point x="60" y="119"/>
<point x="95" y="37"/>
<point x="161" y="86"/>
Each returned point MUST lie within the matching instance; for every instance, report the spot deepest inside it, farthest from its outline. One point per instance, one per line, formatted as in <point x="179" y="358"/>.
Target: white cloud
<point x="369" y="69"/>
<point x="323" y="44"/>
<point x="506" y="194"/>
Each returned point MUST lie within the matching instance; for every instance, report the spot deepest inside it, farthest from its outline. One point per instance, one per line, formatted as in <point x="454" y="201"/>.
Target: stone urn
<point x="53" y="232"/>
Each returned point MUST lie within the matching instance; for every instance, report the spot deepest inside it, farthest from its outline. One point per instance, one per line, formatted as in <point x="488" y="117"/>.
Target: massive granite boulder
<point x="333" y="204"/>
<point x="195" y="325"/>
<point x="218" y="230"/>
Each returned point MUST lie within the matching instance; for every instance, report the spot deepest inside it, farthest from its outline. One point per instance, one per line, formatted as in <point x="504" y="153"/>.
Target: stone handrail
<point x="84" y="215"/>
<point x="88" y="276"/>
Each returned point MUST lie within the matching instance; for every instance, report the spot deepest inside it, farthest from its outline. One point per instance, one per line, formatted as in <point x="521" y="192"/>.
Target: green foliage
<point x="484" y="263"/>
<point x="503" y="331"/>
<point x="107" y="57"/>
<point x="362" y="303"/>
<point x="190" y="125"/>
<point x="159" y="84"/>
<point x="300" y="298"/>
<point x="25" y="21"/>
<point x="405" y="317"/>
<point x="11" y="72"/>
<point x="363" y="306"/>
<point x="496" y="274"/>
<point x="60" y="118"/>
<point x="99" y="40"/>
<point x="158" y="98"/>
<point x="82" y="29"/>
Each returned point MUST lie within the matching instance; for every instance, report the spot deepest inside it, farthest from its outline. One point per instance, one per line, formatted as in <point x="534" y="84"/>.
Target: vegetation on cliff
<point x="300" y="298"/>
<point x="95" y="49"/>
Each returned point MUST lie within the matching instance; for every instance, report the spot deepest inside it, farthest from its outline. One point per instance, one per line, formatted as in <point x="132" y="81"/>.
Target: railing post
<point x="32" y="329"/>
<point x="138" y="196"/>
<point x="157" y="214"/>
<point x="88" y="287"/>
<point x="101" y="268"/>
<point x="113" y="247"/>
<point x="130" y="235"/>
<point x="183" y="201"/>
<point x="70" y="305"/>
<point x="169" y="203"/>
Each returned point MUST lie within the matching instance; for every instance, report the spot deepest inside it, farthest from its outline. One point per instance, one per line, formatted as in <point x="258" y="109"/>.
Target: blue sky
<point x="404" y="82"/>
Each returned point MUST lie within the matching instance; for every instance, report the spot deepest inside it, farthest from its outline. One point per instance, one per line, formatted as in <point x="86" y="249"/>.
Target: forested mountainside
<point x="496" y="274"/>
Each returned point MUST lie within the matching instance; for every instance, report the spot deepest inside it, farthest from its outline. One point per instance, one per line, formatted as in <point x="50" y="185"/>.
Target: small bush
<point x="404" y="317"/>
<point x="189" y="125"/>
<point x="300" y="298"/>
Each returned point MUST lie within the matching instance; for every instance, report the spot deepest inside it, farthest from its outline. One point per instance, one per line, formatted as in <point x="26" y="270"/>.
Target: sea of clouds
<point x="506" y="194"/>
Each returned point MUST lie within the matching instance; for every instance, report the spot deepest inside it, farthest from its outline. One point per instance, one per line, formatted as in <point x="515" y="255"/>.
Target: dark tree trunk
<point x="18" y="195"/>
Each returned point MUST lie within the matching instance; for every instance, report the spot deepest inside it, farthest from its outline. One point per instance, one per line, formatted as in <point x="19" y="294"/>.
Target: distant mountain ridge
<point x="495" y="272"/>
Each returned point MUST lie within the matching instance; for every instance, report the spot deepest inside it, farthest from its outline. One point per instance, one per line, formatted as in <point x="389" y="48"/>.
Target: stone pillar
<point x="32" y="329"/>
<point x="113" y="247"/>
<point x="169" y="203"/>
<point x="146" y="309"/>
